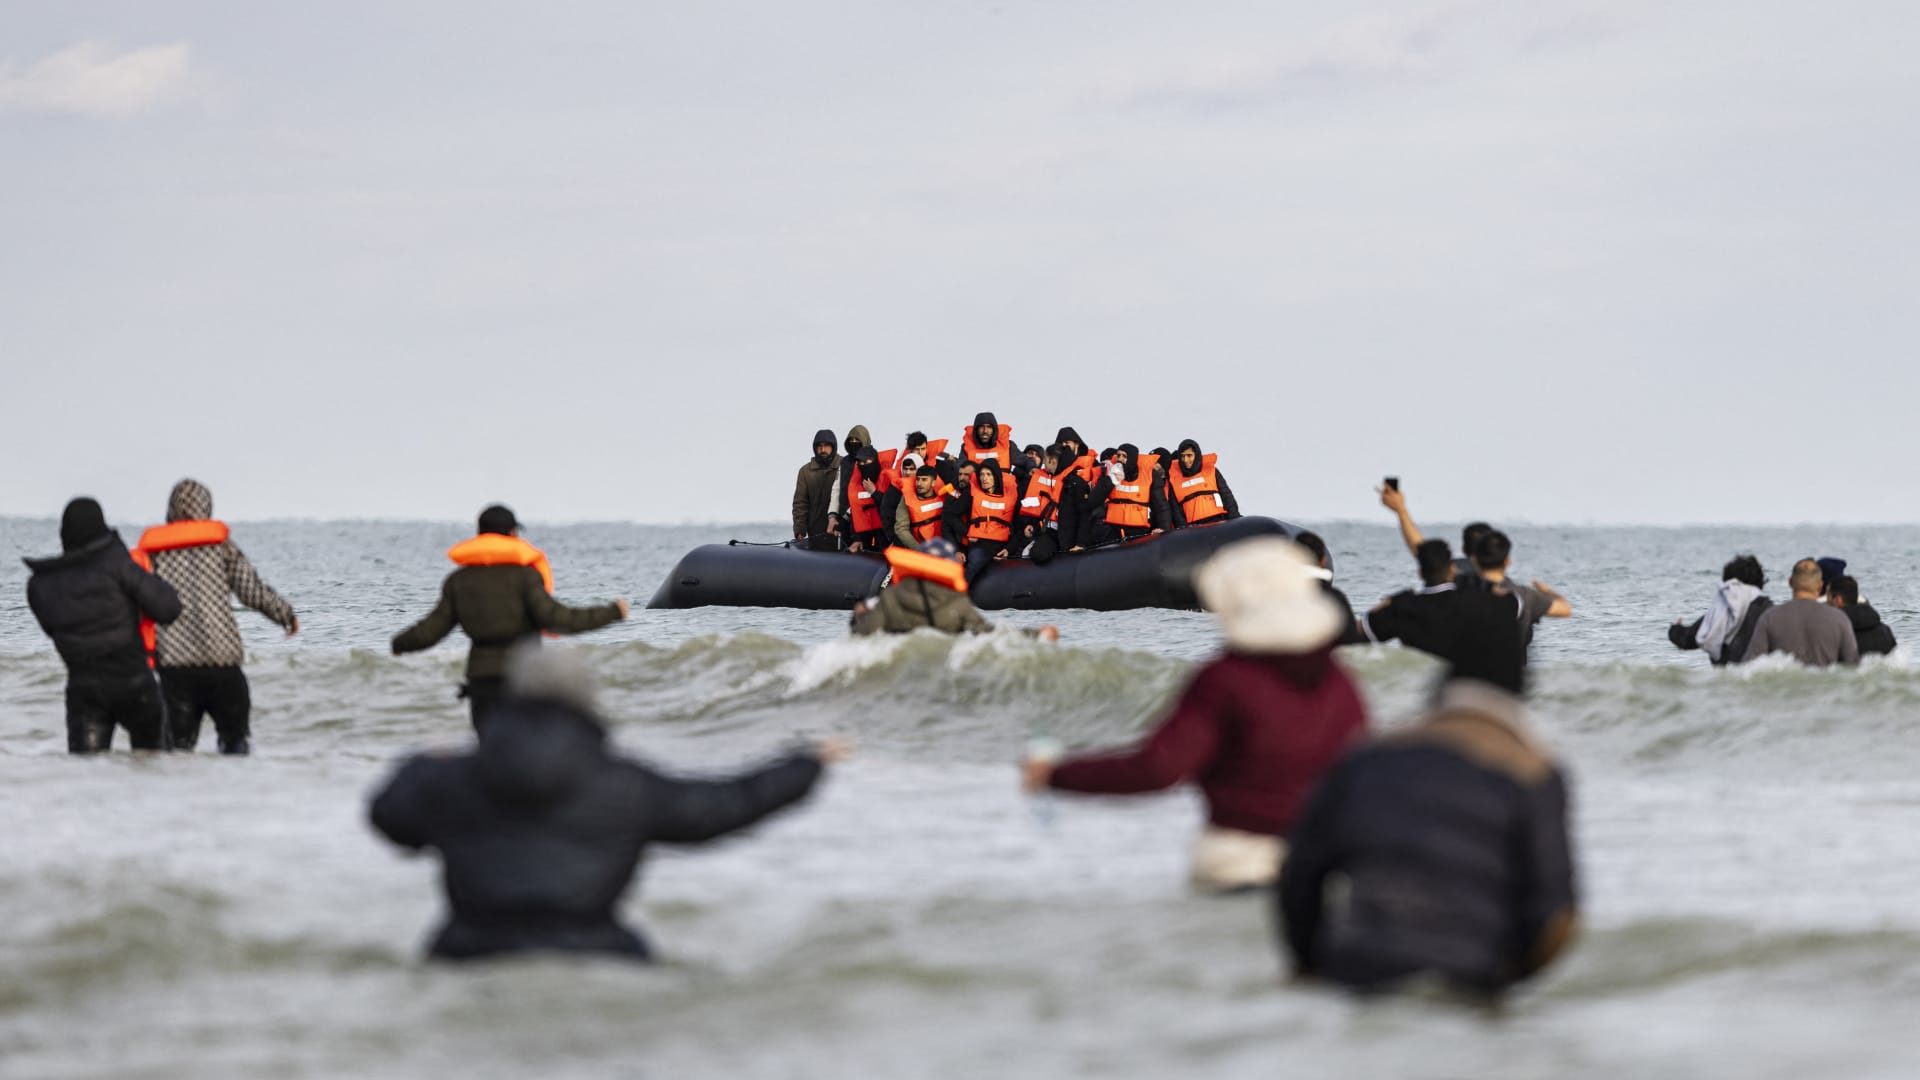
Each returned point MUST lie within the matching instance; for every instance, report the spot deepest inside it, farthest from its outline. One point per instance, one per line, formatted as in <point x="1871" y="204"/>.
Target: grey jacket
<point x="205" y="634"/>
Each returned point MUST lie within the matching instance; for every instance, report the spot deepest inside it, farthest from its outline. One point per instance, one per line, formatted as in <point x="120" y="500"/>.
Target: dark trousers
<point x="482" y="695"/>
<point x="980" y="555"/>
<point x="97" y="702"/>
<point x="194" y="693"/>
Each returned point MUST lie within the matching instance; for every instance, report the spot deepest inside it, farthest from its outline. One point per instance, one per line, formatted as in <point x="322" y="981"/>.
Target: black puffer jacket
<point x="541" y="828"/>
<point x="1451" y="846"/>
<point x="89" y="601"/>
<point x="1872" y="635"/>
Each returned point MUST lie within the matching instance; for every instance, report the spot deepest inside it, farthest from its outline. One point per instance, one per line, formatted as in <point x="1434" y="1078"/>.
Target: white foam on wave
<point x="820" y="664"/>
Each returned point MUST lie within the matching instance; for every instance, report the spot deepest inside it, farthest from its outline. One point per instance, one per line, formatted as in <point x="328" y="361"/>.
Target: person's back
<point x="928" y="592"/>
<point x="200" y="654"/>
<point x="1254" y="732"/>
<point x="90" y="600"/>
<point x="1873" y="636"/>
<point x="541" y="828"/>
<point x="1811" y="632"/>
<point x="500" y="596"/>
<point x="1451" y="846"/>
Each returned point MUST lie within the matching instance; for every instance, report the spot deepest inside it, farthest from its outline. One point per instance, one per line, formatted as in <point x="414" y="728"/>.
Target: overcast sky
<point x="1617" y="262"/>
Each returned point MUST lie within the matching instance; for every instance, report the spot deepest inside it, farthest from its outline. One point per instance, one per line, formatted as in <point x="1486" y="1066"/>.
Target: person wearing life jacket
<point x="988" y="438"/>
<point x="1130" y="501"/>
<point x="858" y="440"/>
<point x="502" y="594"/>
<point x="199" y="654"/>
<point x="920" y="513"/>
<point x="927" y="590"/>
<point x="958" y="476"/>
<point x="90" y="599"/>
<point x="992" y="505"/>
<point x="1037" y="529"/>
<point x="1198" y="492"/>
<point x="866" y="528"/>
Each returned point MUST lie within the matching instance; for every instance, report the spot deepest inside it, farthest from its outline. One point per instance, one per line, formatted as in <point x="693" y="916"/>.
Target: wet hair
<point x="1436" y="560"/>
<point x="1492" y="551"/>
<point x="1745" y="569"/>
<point x="1058" y="453"/>
<point x="1470" y="538"/>
<point x="916" y="438"/>
<point x="1847" y="589"/>
<point x="1315" y="546"/>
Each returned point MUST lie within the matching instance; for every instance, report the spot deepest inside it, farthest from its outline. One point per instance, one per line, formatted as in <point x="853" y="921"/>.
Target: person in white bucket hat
<point x="1255" y="728"/>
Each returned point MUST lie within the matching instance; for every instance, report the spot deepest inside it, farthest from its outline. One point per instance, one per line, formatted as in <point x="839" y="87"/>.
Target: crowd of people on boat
<point x="994" y="499"/>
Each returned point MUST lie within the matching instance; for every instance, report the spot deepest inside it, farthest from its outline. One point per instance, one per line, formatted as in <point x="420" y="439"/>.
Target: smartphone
<point x="1393" y="482"/>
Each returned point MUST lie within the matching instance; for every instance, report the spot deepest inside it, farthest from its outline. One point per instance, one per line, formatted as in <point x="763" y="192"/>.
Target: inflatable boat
<point x="1153" y="571"/>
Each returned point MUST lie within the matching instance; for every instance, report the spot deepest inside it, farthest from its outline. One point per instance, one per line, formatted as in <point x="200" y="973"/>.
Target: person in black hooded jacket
<point x="1158" y="518"/>
<point x="1872" y="635"/>
<point x="541" y="828"/>
<point x="1076" y="490"/>
<point x="1184" y="488"/>
<point x="89" y="599"/>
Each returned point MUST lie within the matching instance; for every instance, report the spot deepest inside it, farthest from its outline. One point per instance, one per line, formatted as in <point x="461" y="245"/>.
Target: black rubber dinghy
<point x="1152" y="572"/>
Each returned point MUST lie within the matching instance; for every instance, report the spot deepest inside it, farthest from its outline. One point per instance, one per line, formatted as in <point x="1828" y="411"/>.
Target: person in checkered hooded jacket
<point x="200" y="653"/>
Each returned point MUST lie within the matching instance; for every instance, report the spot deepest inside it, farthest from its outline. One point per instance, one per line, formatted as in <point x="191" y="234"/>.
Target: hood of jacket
<point x="82" y="523"/>
<point x="99" y="547"/>
<point x="1132" y="467"/>
<point x="858" y="431"/>
<point x="1067" y="433"/>
<point x="825" y="436"/>
<point x="993" y="437"/>
<point x="1863" y="617"/>
<point x="191" y="501"/>
<point x="536" y="751"/>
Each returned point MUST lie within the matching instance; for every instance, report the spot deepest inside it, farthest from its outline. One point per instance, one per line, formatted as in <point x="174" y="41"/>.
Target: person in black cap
<point x="501" y="595"/>
<point x="91" y="600"/>
<point x="815" y="495"/>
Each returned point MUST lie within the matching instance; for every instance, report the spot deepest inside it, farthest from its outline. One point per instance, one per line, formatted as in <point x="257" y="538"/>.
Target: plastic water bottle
<point x="1044" y="748"/>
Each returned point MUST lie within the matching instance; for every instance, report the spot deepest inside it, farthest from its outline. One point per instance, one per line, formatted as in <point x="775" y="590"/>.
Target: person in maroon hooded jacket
<point x="1255" y="729"/>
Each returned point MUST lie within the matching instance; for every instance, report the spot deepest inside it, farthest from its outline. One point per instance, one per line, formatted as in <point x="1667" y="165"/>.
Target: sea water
<point x="1749" y="845"/>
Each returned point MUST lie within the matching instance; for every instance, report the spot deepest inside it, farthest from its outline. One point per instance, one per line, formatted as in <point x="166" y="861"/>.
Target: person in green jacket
<point x="909" y="605"/>
<point x="500" y="596"/>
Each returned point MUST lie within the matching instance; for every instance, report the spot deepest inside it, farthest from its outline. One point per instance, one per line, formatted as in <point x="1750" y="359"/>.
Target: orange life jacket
<point x="992" y="519"/>
<point x="1199" y="494"/>
<point x="863" y="506"/>
<point x="888" y="478"/>
<point x="923" y="515"/>
<point x="1000" y="449"/>
<point x="496" y="549"/>
<point x="1042" y="501"/>
<point x="1130" y="504"/>
<point x="910" y="565"/>
<point x="172" y="536"/>
<point x="1087" y="467"/>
